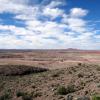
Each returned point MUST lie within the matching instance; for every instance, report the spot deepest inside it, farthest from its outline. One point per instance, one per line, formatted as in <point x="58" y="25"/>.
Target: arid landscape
<point x="49" y="49"/>
<point x="69" y="74"/>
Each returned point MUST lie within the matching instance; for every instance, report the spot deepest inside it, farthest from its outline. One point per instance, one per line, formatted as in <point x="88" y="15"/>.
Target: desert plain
<point x="68" y="74"/>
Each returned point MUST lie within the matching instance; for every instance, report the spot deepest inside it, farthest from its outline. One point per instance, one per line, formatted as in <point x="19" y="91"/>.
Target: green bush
<point x="62" y="90"/>
<point x="98" y="85"/>
<point x="27" y="97"/>
<point x="96" y="97"/>
<point x="37" y="94"/>
<point x="6" y="96"/>
<point x="98" y="68"/>
<point x="55" y="75"/>
<point x="79" y="64"/>
<point x="70" y="89"/>
<point x="18" y="94"/>
<point x="80" y="75"/>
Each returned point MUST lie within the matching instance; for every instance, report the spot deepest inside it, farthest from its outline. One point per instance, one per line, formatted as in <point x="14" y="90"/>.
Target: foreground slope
<point x="79" y="80"/>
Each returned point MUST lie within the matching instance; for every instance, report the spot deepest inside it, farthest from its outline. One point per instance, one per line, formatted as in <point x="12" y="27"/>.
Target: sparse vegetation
<point x="13" y="70"/>
<point x="19" y="93"/>
<point x="98" y="85"/>
<point x="26" y="97"/>
<point x="5" y="96"/>
<point x="66" y="90"/>
<point x="67" y="79"/>
<point x="37" y="94"/>
<point x="98" y="68"/>
<point x="96" y="97"/>
<point x="70" y="88"/>
<point x="55" y="75"/>
<point x="61" y="90"/>
<point x="80" y="75"/>
<point x="82" y="83"/>
<point x="79" y="64"/>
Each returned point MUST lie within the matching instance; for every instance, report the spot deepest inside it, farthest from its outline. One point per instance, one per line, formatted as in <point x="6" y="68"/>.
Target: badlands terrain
<point x="69" y="74"/>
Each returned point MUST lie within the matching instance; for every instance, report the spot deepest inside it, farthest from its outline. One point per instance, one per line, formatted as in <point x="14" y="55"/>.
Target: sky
<point x="50" y="24"/>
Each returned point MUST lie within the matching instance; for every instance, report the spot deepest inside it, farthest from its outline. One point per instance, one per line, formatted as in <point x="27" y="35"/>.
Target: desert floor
<point x="74" y="73"/>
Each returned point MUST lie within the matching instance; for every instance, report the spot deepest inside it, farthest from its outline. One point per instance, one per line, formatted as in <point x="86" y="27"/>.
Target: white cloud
<point x="78" y="12"/>
<point x="12" y="42"/>
<point x="54" y="4"/>
<point x="8" y="6"/>
<point x="71" y="32"/>
<point x="24" y="2"/>
<point x="77" y="25"/>
<point x="74" y="20"/>
<point x="53" y="12"/>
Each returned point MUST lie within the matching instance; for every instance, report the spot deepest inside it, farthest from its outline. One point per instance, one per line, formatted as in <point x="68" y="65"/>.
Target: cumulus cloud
<point x="55" y="3"/>
<point x="53" y="13"/>
<point x="46" y="26"/>
<point x="78" y="12"/>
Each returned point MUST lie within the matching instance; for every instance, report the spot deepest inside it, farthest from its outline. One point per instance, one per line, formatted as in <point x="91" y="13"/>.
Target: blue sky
<point x="49" y="24"/>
